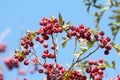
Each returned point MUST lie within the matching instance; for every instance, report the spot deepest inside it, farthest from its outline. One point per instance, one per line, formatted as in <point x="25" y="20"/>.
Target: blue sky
<point x="21" y="15"/>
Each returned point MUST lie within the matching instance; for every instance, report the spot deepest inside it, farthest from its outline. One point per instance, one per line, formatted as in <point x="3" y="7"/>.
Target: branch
<point x="81" y="60"/>
<point x="55" y="52"/>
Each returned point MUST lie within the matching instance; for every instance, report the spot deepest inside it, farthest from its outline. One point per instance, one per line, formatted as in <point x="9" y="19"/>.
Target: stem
<point x="79" y="60"/>
<point x="74" y="49"/>
<point x="55" y="52"/>
<point x="35" y="54"/>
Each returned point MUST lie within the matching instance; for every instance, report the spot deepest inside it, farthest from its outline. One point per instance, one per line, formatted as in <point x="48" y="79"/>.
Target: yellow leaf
<point x="68" y="74"/>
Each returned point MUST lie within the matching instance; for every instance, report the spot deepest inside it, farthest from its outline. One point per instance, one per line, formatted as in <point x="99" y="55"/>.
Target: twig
<point x="55" y="52"/>
<point x="79" y="60"/>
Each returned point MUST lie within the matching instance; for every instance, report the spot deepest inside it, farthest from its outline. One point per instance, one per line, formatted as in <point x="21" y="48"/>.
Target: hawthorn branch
<point x="55" y="52"/>
<point x="79" y="60"/>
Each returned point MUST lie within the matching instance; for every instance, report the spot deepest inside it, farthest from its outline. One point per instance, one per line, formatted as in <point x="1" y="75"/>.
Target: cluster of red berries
<point x="10" y="64"/>
<point x="51" y="26"/>
<point x="2" y="47"/>
<point x="47" y="54"/>
<point x="76" y="75"/>
<point x="20" y="57"/>
<point x="50" y="70"/>
<point x="104" y="42"/>
<point x="95" y="71"/>
<point x="60" y="70"/>
<point x="80" y="32"/>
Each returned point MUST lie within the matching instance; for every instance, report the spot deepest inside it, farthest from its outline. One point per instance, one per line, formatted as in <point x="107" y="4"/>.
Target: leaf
<point x="83" y="64"/>
<point x="106" y="64"/>
<point x="115" y="30"/>
<point x="68" y="74"/>
<point x="116" y="46"/>
<point x="113" y="64"/>
<point x="99" y="6"/>
<point x="67" y="64"/>
<point x="88" y="6"/>
<point x="98" y="15"/>
<point x="65" y="42"/>
<point x="22" y="54"/>
<point x="64" y="38"/>
<point x="61" y="20"/>
<point x="31" y="35"/>
<point x="79" y="54"/>
<point x="90" y="43"/>
<point x="68" y="23"/>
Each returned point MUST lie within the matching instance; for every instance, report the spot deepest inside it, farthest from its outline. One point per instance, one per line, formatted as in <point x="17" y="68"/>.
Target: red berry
<point x="26" y="62"/>
<point x="41" y="40"/>
<point x="20" y="58"/>
<point x="108" y="46"/>
<point x="96" y="36"/>
<point x="53" y="47"/>
<point x="44" y="56"/>
<point x="45" y="45"/>
<point x="100" y="60"/>
<point x="40" y="70"/>
<point x="37" y="38"/>
<point x="108" y="39"/>
<point x="31" y="44"/>
<point x="90" y="62"/>
<point x="23" y="43"/>
<point x="102" y="33"/>
<point x="106" y="52"/>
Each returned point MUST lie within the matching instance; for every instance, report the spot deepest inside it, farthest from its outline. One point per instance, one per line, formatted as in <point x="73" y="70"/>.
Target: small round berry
<point x="108" y="46"/>
<point x="100" y="60"/>
<point x="96" y="36"/>
<point x="102" y="33"/>
<point x="41" y="40"/>
<point x="22" y="43"/>
<point x="31" y="44"/>
<point x="26" y="62"/>
<point x="90" y="62"/>
<point x="106" y="52"/>
<point x="45" y="45"/>
<point x="40" y="70"/>
<point x="44" y="56"/>
<point x="108" y="39"/>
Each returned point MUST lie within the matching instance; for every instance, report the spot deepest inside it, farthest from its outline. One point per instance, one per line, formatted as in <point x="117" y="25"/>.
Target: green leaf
<point x="64" y="38"/>
<point x="99" y="6"/>
<point x="65" y="42"/>
<point x="106" y="64"/>
<point x="88" y="6"/>
<point x="68" y="65"/>
<point x="68" y="23"/>
<point x="67" y="26"/>
<point x="115" y="30"/>
<point x="113" y="64"/>
<point x="68" y="74"/>
<point x="83" y="64"/>
<point x="116" y="46"/>
<point x="79" y="54"/>
<point x="61" y="20"/>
